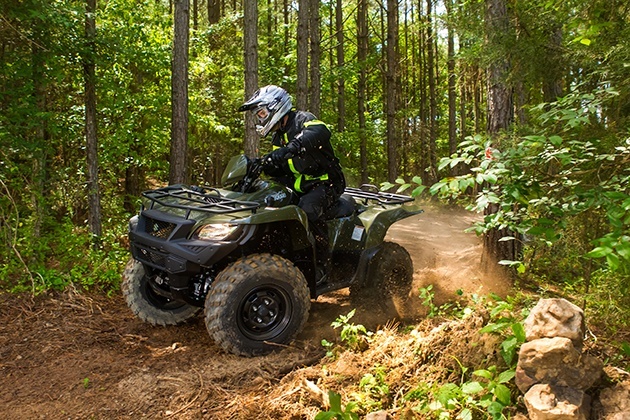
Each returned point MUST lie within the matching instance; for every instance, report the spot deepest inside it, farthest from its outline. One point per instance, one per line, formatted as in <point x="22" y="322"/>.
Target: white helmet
<point x="269" y="104"/>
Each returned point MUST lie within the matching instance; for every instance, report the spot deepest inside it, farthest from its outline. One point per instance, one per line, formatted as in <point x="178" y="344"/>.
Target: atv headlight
<point x="215" y="232"/>
<point x="133" y="223"/>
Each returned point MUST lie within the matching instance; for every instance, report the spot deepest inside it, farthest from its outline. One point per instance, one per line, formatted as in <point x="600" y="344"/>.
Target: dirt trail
<point x="444" y="255"/>
<point x="75" y="356"/>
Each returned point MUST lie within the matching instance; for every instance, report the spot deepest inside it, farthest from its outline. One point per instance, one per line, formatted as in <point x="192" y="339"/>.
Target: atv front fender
<point x="377" y="221"/>
<point x="271" y="215"/>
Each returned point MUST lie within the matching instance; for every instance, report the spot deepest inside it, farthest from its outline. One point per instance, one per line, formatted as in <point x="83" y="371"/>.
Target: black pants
<point x="315" y="203"/>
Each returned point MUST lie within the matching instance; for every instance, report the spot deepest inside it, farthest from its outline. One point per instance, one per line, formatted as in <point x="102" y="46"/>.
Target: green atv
<point x="244" y="254"/>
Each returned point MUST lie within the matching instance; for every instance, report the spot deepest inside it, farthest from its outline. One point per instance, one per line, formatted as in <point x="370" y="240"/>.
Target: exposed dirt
<point x="75" y="356"/>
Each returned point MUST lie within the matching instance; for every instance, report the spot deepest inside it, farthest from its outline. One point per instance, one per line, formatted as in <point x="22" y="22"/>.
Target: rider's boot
<point x="323" y="256"/>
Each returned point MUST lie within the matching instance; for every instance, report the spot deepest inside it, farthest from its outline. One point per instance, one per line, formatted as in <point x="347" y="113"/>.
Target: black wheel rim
<point x="264" y="313"/>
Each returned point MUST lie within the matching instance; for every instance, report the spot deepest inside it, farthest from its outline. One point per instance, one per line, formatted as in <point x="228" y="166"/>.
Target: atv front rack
<point x="368" y="192"/>
<point x="202" y="199"/>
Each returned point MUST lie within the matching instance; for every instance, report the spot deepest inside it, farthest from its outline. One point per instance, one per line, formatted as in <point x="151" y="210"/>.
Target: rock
<point x="555" y="318"/>
<point x="555" y="361"/>
<point x="378" y="415"/>
<point x="548" y="402"/>
<point x="615" y="402"/>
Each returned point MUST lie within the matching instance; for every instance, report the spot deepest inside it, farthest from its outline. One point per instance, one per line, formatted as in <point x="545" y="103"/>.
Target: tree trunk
<point x="285" y="21"/>
<point x="341" y="62"/>
<point x="500" y="115"/>
<point x="251" y="143"/>
<point x="499" y="94"/>
<point x="39" y="160"/>
<point x="362" y="52"/>
<point x="302" y="56"/>
<point x="94" y="197"/>
<point x="425" y="152"/>
<point x="214" y="11"/>
<point x="452" y="88"/>
<point x="431" y="61"/>
<point x="315" y="39"/>
<point x="552" y="82"/>
<point x="179" y="85"/>
<point x="195" y="19"/>
<point x="391" y="89"/>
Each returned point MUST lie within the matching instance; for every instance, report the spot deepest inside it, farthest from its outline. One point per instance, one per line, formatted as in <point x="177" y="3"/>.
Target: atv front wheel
<point x="390" y="280"/>
<point x="256" y="303"/>
<point x="148" y="305"/>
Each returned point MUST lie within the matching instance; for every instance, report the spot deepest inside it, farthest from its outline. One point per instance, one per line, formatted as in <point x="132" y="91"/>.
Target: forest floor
<point x="74" y="355"/>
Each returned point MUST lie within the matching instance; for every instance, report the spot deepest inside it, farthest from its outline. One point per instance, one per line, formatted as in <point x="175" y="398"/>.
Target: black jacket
<point x="315" y="162"/>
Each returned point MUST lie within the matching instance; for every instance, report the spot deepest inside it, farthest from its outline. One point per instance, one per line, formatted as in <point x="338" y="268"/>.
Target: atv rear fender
<point x="377" y="220"/>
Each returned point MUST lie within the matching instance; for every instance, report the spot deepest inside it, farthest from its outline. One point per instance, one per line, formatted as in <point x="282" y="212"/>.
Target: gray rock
<point x="378" y="415"/>
<point x="556" y="318"/>
<point x="556" y="361"/>
<point x="548" y="402"/>
<point x="615" y="402"/>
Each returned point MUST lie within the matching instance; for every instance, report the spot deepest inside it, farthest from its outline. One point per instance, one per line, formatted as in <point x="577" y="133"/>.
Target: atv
<point x="243" y="253"/>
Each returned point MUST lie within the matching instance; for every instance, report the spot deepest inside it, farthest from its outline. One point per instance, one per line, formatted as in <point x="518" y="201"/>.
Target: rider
<point x="302" y="157"/>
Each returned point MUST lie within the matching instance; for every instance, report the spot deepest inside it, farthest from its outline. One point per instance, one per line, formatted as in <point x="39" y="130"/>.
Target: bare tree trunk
<point x="362" y="41"/>
<point x="39" y="161"/>
<point x="552" y="82"/>
<point x="315" y="38"/>
<point x="179" y="121"/>
<point x="462" y="100"/>
<point x="285" y="21"/>
<point x="499" y="95"/>
<point x="341" y="62"/>
<point x="431" y="61"/>
<point x="478" y="116"/>
<point x="391" y="89"/>
<point x="251" y="143"/>
<point x="452" y="88"/>
<point x="94" y="197"/>
<point x="195" y="18"/>
<point x="500" y="116"/>
<point x="214" y="11"/>
<point x="423" y="132"/>
<point x="301" y="96"/>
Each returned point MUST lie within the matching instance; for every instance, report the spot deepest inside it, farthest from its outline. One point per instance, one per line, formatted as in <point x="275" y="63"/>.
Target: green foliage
<point x="508" y="326"/>
<point x="374" y="391"/>
<point x="77" y="263"/>
<point x="447" y="309"/>
<point x="568" y="170"/>
<point x="427" y="295"/>
<point x="486" y="391"/>
<point x="483" y="392"/>
<point x="490" y="394"/>
<point x="336" y="411"/>
<point x="404" y="186"/>
<point x="354" y="337"/>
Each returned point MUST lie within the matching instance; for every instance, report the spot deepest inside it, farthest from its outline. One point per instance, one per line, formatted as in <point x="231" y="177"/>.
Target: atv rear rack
<point x="204" y="199"/>
<point x="368" y="192"/>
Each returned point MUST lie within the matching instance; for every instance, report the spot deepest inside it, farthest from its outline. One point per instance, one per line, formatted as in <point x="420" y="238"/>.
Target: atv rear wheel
<point x="256" y="303"/>
<point x="148" y="305"/>
<point x="391" y="281"/>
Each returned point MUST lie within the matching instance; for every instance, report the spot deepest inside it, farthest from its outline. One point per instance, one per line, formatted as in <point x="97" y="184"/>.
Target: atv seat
<point x="344" y="207"/>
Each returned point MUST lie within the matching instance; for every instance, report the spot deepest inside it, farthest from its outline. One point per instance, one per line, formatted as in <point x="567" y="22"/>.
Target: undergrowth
<point x="461" y="383"/>
<point x="459" y="363"/>
<point x="63" y="256"/>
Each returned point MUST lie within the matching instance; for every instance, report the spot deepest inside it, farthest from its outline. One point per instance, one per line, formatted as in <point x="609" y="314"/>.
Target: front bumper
<point x="160" y="240"/>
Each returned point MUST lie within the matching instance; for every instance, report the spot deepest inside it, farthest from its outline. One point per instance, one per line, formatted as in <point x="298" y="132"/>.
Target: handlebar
<point x="254" y="168"/>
